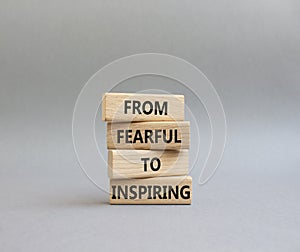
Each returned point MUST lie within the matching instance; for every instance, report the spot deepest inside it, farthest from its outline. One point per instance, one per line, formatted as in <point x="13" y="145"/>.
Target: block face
<point x="160" y="190"/>
<point x="142" y="107"/>
<point x="148" y="135"/>
<point x="147" y="163"/>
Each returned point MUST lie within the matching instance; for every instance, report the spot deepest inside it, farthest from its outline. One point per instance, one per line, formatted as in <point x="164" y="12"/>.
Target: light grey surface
<point x="248" y="49"/>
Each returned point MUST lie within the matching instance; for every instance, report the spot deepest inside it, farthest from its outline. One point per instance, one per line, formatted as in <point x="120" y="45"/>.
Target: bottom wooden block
<point x="160" y="190"/>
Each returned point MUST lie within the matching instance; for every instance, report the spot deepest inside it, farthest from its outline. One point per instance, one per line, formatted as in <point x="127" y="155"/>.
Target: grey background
<point x="248" y="49"/>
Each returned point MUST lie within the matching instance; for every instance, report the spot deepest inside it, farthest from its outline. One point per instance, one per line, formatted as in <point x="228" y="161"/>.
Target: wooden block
<point x="147" y="163"/>
<point x="148" y="135"/>
<point x="142" y="107"/>
<point x="160" y="190"/>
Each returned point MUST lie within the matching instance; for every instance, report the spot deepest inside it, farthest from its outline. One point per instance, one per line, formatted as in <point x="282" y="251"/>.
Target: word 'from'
<point x="146" y="107"/>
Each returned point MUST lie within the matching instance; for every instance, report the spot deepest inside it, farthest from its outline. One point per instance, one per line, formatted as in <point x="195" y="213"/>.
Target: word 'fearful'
<point x="148" y="136"/>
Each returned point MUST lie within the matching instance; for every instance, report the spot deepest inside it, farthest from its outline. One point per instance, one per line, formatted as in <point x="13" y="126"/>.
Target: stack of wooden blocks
<point x="148" y="142"/>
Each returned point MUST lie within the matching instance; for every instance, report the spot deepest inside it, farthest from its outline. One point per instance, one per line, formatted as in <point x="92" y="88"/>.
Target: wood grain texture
<point x="160" y="190"/>
<point x="137" y="163"/>
<point x="118" y="139"/>
<point x="114" y="107"/>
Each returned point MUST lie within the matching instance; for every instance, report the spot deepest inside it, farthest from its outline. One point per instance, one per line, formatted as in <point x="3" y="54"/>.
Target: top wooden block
<point x="142" y="107"/>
